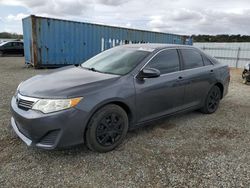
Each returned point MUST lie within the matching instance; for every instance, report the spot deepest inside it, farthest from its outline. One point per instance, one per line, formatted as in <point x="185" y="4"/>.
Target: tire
<point x="1" y="54"/>
<point x="212" y="100"/>
<point x="107" y="128"/>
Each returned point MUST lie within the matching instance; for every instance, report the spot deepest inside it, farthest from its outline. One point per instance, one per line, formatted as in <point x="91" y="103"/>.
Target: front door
<point x="156" y="97"/>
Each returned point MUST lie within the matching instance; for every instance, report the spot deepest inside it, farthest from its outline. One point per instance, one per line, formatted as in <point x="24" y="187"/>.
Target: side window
<point x="166" y="61"/>
<point x="15" y="44"/>
<point x="191" y="58"/>
<point x="206" y="61"/>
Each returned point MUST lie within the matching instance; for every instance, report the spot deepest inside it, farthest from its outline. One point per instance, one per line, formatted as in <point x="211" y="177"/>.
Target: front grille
<point x="24" y="104"/>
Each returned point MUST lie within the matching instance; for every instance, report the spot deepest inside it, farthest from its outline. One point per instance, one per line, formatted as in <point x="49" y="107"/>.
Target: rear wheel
<point x="107" y="128"/>
<point x="1" y="53"/>
<point x="212" y="100"/>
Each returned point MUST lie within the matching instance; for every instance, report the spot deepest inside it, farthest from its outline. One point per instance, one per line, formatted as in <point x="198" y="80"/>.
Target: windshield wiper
<point x="91" y="69"/>
<point x="95" y="70"/>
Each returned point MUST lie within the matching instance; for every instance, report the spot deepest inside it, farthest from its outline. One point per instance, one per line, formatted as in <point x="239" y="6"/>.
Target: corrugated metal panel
<point x="233" y="54"/>
<point x="54" y="42"/>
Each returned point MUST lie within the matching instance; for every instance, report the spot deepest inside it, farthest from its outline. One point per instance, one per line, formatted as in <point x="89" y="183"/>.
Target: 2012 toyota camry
<point x="117" y="90"/>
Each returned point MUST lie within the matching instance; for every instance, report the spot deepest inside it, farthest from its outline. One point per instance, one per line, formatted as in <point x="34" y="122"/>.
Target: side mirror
<point x="149" y="73"/>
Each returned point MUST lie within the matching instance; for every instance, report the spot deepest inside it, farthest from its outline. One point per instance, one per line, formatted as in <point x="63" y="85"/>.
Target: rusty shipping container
<point x="52" y="42"/>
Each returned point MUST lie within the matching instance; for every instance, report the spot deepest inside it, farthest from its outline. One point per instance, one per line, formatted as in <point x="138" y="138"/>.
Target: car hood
<point x="65" y="82"/>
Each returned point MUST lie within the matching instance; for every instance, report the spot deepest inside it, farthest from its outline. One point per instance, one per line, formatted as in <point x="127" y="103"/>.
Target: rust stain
<point x="31" y="62"/>
<point x="40" y="56"/>
<point x="47" y="54"/>
<point x="34" y="41"/>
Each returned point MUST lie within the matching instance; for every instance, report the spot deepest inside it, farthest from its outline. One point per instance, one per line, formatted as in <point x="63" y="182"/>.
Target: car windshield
<point x="3" y="43"/>
<point x="119" y="60"/>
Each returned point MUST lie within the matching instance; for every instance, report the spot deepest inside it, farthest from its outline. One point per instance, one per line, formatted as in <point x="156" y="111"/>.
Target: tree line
<point x="6" y="35"/>
<point x="221" y="38"/>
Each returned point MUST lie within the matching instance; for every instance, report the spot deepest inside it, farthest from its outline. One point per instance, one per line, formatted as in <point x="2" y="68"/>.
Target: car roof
<point x="16" y="41"/>
<point x="6" y="42"/>
<point x="156" y="46"/>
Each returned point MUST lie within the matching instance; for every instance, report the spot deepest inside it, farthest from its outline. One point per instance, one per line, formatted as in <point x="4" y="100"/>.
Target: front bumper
<point x="49" y="131"/>
<point x="21" y="135"/>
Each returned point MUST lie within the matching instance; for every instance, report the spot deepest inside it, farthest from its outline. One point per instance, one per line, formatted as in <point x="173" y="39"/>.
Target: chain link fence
<point x="233" y="54"/>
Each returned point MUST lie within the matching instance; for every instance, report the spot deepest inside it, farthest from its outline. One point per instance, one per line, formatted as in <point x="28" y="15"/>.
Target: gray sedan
<point x="117" y="90"/>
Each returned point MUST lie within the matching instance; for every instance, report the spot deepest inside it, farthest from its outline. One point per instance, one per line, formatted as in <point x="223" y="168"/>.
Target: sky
<point x="184" y="17"/>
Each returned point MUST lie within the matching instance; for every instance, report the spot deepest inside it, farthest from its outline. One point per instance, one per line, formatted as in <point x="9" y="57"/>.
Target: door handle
<point x="180" y="77"/>
<point x="211" y="71"/>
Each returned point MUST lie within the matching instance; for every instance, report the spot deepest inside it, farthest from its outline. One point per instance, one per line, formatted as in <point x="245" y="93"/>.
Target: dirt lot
<point x="191" y="150"/>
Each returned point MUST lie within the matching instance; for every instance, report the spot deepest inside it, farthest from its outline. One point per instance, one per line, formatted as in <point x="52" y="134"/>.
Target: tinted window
<point x="166" y="61"/>
<point x="15" y="44"/>
<point x="192" y="58"/>
<point x="206" y="61"/>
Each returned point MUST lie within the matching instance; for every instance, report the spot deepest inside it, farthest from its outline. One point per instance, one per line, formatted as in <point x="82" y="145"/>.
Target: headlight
<point x="54" y="105"/>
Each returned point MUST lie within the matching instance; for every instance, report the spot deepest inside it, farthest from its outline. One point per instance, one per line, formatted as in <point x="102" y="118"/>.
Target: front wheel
<point x="107" y="128"/>
<point x="212" y="100"/>
<point x="1" y="53"/>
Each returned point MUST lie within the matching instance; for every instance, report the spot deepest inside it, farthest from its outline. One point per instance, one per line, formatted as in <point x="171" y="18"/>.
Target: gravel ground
<point x="188" y="150"/>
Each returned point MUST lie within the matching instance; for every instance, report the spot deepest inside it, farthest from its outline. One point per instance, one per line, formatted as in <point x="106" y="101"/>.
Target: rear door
<point x="197" y="77"/>
<point x="163" y="95"/>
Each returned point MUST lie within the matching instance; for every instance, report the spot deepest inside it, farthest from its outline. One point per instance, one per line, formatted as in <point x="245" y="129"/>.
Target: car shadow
<point x="147" y="128"/>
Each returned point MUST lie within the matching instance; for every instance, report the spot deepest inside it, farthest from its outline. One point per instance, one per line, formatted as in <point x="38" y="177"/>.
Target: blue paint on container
<point x="52" y="42"/>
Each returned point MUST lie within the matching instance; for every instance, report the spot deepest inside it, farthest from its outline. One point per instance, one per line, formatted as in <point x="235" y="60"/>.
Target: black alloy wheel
<point x="107" y="128"/>
<point x="212" y="100"/>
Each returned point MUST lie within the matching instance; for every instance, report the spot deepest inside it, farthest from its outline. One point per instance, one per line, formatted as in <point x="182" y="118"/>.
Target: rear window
<point x="192" y="58"/>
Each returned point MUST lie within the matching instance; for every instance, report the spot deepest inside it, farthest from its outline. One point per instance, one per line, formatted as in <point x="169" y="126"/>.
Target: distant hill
<point x="221" y="38"/>
<point x="7" y="35"/>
